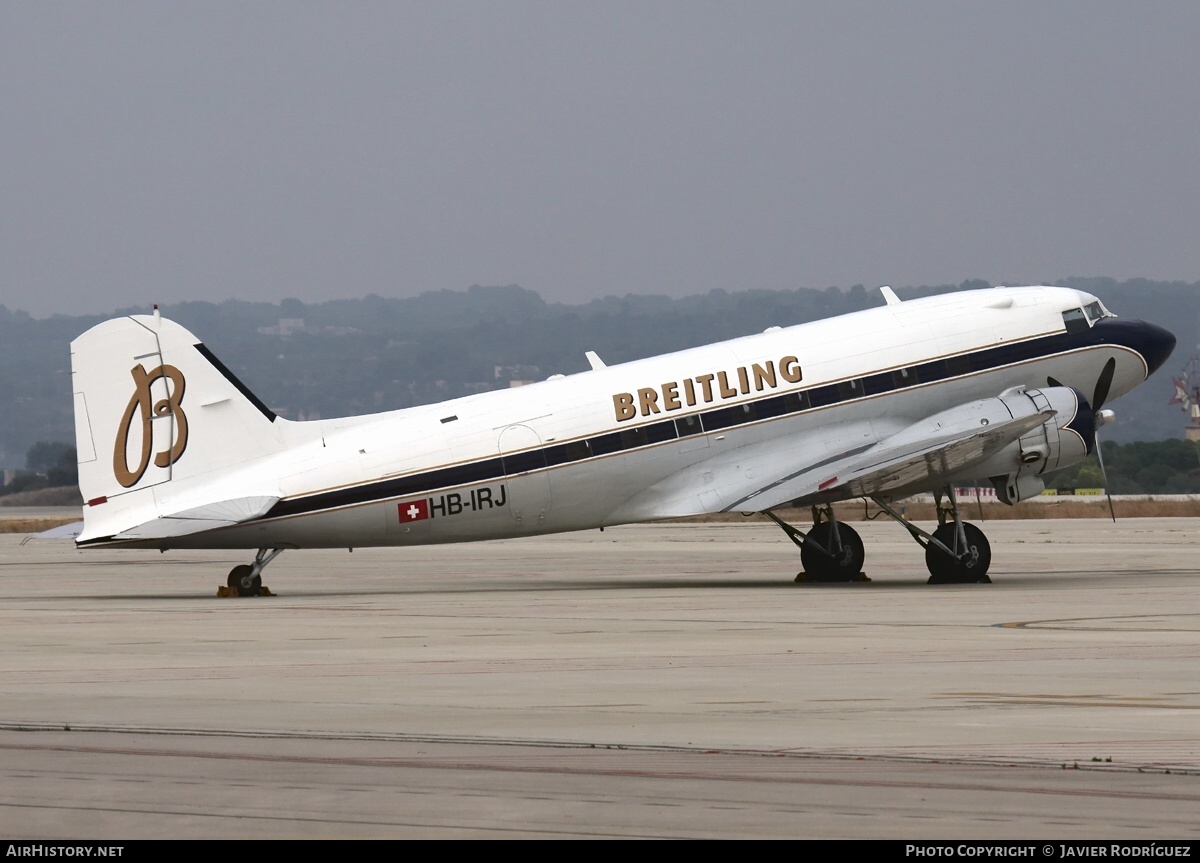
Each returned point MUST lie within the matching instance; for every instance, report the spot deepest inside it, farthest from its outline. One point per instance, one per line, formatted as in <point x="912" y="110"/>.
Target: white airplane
<point x="1004" y="383"/>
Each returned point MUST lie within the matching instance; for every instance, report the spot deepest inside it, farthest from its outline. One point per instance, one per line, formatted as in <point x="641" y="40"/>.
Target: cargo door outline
<point x="525" y="474"/>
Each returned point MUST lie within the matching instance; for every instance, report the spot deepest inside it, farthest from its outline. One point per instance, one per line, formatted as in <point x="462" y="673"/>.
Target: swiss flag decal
<point x="414" y="510"/>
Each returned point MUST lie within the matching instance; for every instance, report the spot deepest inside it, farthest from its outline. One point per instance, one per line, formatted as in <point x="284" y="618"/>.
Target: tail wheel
<point x="969" y="565"/>
<point x="842" y="564"/>
<point x="244" y="581"/>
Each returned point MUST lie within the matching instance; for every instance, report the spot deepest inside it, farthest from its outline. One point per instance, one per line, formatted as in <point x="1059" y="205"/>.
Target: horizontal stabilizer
<point x="207" y="517"/>
<point x="63" y="531"/>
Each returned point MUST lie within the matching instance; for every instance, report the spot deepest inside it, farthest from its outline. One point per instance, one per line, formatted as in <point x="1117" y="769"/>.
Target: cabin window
<point x="605" y="443"/>
<point x="873" y="385"/>
<point x="633" y="438"/>
<point x="523" y="462"/>
<point x="721" y="418"/>
<point x="905" y="378"/>
<point x="935" y="370"/>
<point x="777" y="406"/>
<point x="643" y="435"/>
<point x="690" y="425"/>
<point x="576" y="450"/>
<point x="767" y="408"/>
<point x="567" y="453"/>
<point x="661" y="432"/>
<point x="819" y="397"/>
<point x="1075" y="321"/>
<point x="793" y="402"/>
<point x="959" y="365"/>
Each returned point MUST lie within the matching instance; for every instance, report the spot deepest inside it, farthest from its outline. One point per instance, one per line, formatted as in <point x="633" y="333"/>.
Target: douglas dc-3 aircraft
<point x="1004" y="383"/>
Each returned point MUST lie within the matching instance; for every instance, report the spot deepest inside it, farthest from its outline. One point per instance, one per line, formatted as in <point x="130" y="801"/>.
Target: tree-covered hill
<point x="377" y="353"/>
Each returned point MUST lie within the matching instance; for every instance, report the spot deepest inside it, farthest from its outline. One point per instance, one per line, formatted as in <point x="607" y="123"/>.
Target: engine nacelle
<point x="1065" y="439"/>
<point x="1016" y="470"/>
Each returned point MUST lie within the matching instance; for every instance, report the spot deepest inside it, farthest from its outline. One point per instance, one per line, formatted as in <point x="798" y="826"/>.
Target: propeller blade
<point x="1104" y="475"/>
<point x="1103" y="383"/>
<point x="1102" y="418"/>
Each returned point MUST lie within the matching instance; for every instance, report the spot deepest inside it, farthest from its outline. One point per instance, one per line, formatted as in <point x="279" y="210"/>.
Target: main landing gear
<point x="830" y="551"/>
<point x="246" y="579"/>
<point x="956" y="552"/>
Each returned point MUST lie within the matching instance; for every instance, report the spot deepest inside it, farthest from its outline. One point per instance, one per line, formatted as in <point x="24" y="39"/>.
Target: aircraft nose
<point x="1150" y="340"/>
<point x="1156" y="345"/>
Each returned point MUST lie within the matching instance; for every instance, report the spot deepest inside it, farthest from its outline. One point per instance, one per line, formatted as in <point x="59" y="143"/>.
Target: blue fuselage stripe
<point x="1106" y="332"/>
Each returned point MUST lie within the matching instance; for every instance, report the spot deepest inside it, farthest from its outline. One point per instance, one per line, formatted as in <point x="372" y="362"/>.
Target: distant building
<point x="524" y="374"/>
<point x="286" y="327"/>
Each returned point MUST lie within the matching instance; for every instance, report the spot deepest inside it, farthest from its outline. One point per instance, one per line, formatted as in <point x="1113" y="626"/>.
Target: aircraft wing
<point x="888" y="468"/>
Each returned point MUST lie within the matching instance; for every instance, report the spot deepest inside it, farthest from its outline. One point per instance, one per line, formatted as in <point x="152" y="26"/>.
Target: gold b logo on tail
<point x="143" y="403"/>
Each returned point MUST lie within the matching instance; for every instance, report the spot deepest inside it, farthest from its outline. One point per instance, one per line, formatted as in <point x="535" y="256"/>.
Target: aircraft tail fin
<point x="155" y="409"/>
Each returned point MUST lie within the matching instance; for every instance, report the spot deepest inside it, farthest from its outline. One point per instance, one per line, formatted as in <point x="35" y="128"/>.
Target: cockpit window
<point x="1093" y="311"/>
<point x="1075" y="321"/>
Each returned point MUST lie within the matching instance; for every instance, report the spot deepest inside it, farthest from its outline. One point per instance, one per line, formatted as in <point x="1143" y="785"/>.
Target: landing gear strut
<point x="246" y="578"/>
<point x="830" y="551"/>
<point x="956" y="552"/>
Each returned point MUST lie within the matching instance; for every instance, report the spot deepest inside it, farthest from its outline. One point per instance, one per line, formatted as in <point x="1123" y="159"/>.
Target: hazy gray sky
<point x="172" y="151"/>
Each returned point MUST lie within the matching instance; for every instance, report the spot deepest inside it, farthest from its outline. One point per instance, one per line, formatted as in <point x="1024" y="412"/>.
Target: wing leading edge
<point x="896" y="465"/>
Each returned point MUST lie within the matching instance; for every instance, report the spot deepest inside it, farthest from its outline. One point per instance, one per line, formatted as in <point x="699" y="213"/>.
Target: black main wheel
<point x="837" y="565"/>
<point x="242" y="579"/>
<point x="968" y="566"/>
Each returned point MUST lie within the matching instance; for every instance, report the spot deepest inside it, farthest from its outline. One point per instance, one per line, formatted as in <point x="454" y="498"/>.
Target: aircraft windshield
<point x="1078" y="320"/>
<point x="1075" y="320"/>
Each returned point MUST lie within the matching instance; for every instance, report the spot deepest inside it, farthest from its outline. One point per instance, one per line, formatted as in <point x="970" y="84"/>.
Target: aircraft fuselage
<point x="672" y="435"/>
